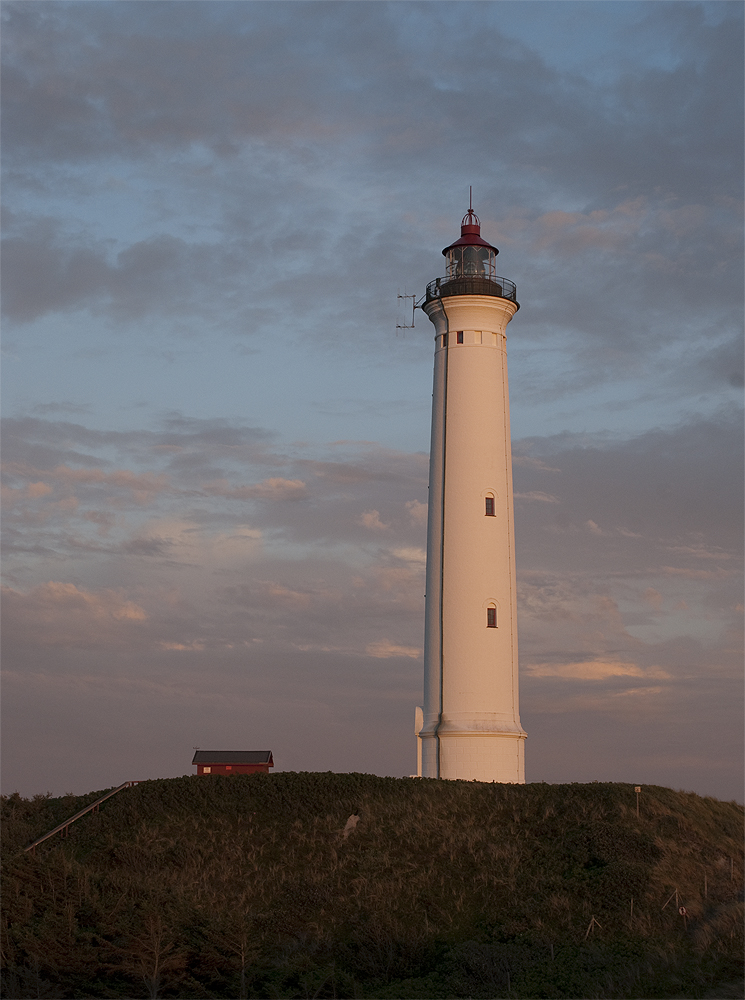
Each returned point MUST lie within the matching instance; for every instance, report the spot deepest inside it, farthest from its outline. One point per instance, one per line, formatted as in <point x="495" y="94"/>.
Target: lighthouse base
<point x="474" y="757"/>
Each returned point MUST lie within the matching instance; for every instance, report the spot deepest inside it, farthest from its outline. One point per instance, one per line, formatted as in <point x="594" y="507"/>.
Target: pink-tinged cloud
<point x="62" y="614"/>
<point x="604" y="700"/>
<point x="370" y="519"/>
<point x="697" y="574"/>
<point x="701" y="551"/>
<point x="538" y="495"/>
<point x="33" y="491"/>
<point x="340" y="473"/>
<point x="536" y="464"/>
<point x="384" y="650"/>
<point x="410" y="554"/>
<point x="402" y="581"/>
<point x="288" y="595"/>
<point x="653" y="597"/>
<point x="639" y="692"/>
<point x="275" y="488"/>
<point x="594" y="670"/>
<point x="417" y="511"/>
<point x="103" y="519"/>
<point x="576" y="232"/>
<point x="142" y="486"/>
<point x="191" y="647"/>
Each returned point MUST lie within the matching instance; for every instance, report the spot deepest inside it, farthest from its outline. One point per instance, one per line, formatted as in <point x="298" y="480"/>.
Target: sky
<point x="216" y="414"/>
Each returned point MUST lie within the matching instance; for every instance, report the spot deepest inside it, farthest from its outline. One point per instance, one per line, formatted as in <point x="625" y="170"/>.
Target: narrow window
<point x="491" y="617"/>
<point x="460" y="336"/>
<point x="444" y="340"/>
<point x="489" y="506"/>
<point x="207" y="770"/>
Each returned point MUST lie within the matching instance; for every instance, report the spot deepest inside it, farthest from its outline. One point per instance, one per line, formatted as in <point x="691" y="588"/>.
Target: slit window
<point x="491" y="617"/>
<point x="489" y="506"/>
<point x="444" y="340"/>
<point x="459" y="336"/>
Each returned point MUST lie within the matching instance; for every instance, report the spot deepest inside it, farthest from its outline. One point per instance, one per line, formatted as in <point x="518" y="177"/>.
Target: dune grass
<point x="247" y="887"/>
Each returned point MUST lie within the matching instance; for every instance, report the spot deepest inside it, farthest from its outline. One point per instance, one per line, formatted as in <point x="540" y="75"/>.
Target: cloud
<point x="417" y="511"/>
<point x="411" y="555"/>
<point x="644" y="692"/>
<point x="537" y="495"/>
<point x="142" y="486"/>
<point x="181" y="647"/>
<point x="641" y="489"/>
<point x="370" y="519"/>
<point x="701" y="551"/>
<point x="103" y="519"/>
<point x="63" y="407"/>
<point x="283" y="593"/>
<point x="594" y="670"/>
<point x="48" y="270"/>
<point x="697" y="574"/>
<point x="573" y="233"/>
<point x="533" y="463"/>
<point x="130" y="95"/>
<point x="653" y="597"/>
<point x="32" y="491"/>
<point x="62" y="614"/>
<point x="274" y="488"/>
<point x="190" y="477"/>
<point x="383" y="650"/>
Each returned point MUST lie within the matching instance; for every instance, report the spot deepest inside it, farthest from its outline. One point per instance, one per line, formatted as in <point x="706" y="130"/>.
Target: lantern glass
<point x="471" y="262"/>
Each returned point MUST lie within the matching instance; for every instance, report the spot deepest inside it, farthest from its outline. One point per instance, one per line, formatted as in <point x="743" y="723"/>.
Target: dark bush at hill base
<point x="248" y="887"/>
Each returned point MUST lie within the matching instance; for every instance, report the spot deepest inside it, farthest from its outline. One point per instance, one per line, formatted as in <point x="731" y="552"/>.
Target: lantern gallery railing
<point x="502" y="288"/>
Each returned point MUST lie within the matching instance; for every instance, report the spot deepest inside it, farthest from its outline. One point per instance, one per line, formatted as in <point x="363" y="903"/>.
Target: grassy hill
<point x="247" y="887"/>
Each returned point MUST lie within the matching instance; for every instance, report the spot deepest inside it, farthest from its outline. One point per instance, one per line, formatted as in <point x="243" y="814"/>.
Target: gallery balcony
<point x="471" y="284"/>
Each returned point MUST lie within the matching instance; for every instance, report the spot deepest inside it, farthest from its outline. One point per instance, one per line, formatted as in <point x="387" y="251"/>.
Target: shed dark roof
<point x="233" y="757"/>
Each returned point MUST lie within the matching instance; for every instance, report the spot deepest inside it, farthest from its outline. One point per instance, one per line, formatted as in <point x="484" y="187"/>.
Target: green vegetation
<point x="247" y="887"/>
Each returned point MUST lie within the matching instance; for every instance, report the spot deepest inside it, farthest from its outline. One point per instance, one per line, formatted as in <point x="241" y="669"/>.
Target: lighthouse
<point x="469" y="726"/>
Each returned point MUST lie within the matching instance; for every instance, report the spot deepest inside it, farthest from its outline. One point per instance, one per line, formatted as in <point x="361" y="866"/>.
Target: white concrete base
<point x="495" y="757"/>
<point x="478" y="757"/>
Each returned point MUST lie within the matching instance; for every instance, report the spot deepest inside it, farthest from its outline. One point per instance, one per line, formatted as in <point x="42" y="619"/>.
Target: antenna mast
<point x="405" y="325"/>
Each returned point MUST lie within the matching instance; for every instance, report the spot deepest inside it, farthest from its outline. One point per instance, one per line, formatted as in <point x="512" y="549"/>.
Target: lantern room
<point x="471" y="267"/>
<point x="471" y="256"/>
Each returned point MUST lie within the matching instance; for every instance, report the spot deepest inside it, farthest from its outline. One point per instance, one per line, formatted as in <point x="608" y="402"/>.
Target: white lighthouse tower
<point x="469" y="726"/>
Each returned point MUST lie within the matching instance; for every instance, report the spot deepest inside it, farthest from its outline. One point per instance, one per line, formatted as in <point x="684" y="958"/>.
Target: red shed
<point x="233" y="761"/>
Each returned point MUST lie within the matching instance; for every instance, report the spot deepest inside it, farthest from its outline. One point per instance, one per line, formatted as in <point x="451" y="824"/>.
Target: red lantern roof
<point x="470" y="234"/>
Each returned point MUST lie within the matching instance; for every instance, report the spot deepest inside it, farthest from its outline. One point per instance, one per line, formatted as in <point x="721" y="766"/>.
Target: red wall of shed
<point x="232" y="768"/>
